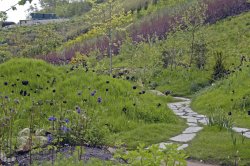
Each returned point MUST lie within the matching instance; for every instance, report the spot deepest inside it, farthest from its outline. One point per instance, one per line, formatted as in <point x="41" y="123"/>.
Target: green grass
<point x="108" y="119"/>
<point x="148" y="134"/>
<point x="144" y="60"/>
<point x="215" y="146"/>
<point x="229" y="95"/>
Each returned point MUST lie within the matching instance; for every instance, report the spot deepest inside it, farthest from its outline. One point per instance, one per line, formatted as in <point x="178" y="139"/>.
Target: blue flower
<point x="99" y="100"/>
<point x="78" y="109"/>
<point x="52" y="118"/>
<point x="64" y="129"/>
<point x="67" y="120"/>
<point x="93" y="93"/>
<point x="49" y="138"/>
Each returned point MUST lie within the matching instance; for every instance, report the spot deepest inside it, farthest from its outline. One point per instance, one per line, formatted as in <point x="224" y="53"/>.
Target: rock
<point x="190" y="130"/>
<point x="40" y="141"/>
<point x="191" y="120"/>
<point x="111" y="150"/>
<point x="183" y="137"/>
<point x="163" y="145"/>
<point x="156" y="92"/>
<point x="40" y="132"/>
<point x="23" y="144"/>
<point x="182" y="147"/>
<point x="239" y="130"/>
<point x="24" y="132"/>
<point x="247" y="134"/>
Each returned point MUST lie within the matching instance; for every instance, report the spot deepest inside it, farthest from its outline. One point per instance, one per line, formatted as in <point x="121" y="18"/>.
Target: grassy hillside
<point x="110" y="110"/>
<point x="147" y="61"/>
<point x="229" y="95"/>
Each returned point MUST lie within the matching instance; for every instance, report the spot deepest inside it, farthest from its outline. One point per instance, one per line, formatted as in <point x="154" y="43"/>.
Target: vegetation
<point x="69" y="97"/>
<point x="98" y="88"/>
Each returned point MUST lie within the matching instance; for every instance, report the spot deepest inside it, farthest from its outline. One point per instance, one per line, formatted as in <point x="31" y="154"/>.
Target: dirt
<point x="48" y="155"/>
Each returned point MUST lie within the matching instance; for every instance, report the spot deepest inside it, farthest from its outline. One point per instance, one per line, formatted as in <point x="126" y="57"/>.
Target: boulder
<point x="23" y="144"/>
<point x="40" y="132"/>
<point x="40" y="141"/>
<point x="24" y="132"/>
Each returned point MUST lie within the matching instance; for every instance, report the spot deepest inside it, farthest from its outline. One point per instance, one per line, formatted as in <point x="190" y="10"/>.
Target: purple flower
<point x="93" y="93"/>
<point x="78" y="109"/>
<point x="49" y="138"/>
<point x="99" y="100"/>
<point x="64" y="129"/>
<point x="52" y="118"/>
<point x="67" y="120"/>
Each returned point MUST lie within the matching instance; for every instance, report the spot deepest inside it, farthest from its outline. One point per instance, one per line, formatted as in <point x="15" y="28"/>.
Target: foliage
<point x="213" y="145"/>
<point x="219" y="69"/>
<point x="153" y="155"/>
<point x="76" y="106"/>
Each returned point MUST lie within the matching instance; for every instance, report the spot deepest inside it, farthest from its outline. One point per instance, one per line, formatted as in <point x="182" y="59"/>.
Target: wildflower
<point x="66" y="120"/>
<point x="16" y="101"/>
<point x="49" y="138"/>
<point x="93" y="93"/>
<point x="79" y="93"/>
<point x="78" y="109"/>
<point x="52" y="118"/>
<point x="64" y="129"/>
<point x="99" y="100"/>
<point x="25" y="83"/>
<point x="124" y="110"/>
<point x="5" y="83"/>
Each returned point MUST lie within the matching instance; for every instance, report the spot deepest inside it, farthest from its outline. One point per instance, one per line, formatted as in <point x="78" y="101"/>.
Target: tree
<point x="112" y="19"/>
<point x="194" y="17"/>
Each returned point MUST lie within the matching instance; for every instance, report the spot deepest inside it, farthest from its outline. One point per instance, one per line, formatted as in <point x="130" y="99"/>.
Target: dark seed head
<point x="5" y="83"/>
<point x="54" y="91"/>
<point x="107" y="82"/>
<point x="134" y="87"/>
<point x="229" y="113"/>
<point x="25" y="82"/>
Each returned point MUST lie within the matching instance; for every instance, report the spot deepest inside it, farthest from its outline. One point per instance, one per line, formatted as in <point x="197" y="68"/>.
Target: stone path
<point x="194" y="122"/>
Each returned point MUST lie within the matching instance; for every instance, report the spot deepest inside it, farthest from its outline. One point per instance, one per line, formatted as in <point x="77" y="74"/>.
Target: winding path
<point x="194" y="121"/>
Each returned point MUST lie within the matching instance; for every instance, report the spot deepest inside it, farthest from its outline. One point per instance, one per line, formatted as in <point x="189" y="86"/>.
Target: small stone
<point x="182" y="147"/>
<point x="247" y="134"/>
<point x="183" y="137"/>
<point x="190" y="130"/>
<point x="111" y="150"/>
<point x="191" y="120"/>
<point x="240" y="130"/>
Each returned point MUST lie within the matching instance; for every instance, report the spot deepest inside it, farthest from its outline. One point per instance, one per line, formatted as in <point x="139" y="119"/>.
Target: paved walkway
<point x="194" y="121"/>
